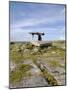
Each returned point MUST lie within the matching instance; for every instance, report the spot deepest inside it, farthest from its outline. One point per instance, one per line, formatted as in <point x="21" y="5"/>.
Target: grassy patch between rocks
<point x="50" y="78"/>
<point x="19" y="73"/>
<point x="55" y="63"/>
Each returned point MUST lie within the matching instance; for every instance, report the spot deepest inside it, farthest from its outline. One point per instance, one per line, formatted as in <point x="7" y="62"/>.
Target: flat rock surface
<point x="52" y="58"/>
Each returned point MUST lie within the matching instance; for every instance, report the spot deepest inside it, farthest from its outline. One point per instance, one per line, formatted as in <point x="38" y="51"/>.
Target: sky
<point x="36" y="17"/>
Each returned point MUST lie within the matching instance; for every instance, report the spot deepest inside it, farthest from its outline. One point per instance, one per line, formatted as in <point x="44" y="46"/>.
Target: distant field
<point x="32" y="66"/>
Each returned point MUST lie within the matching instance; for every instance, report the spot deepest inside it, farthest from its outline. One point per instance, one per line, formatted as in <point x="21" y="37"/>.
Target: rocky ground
<point x="32" y="66"/>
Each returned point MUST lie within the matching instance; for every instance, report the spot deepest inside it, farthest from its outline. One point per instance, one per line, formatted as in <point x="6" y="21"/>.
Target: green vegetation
<point x="29" y="46"/>
<point x="24" y="55"/>
<point x="55" y="63"/>
<point x="15" y="76"/>
<point x="51" y="80"/>
<point x="16" y="56"/>
<point x="24" y="67"/>
<point x="19" y="73"/>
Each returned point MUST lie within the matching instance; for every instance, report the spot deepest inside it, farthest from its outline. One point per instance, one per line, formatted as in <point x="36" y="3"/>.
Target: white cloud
<point x="45" y="17"/>
<point x="32" y="21"/>
<point x="62" y="37"/>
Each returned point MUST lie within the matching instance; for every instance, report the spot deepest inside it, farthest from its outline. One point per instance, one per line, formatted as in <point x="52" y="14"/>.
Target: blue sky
<point x="34" y="17"/>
